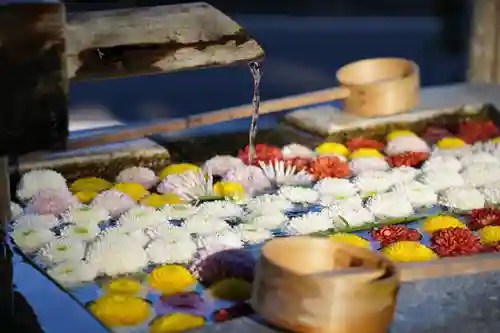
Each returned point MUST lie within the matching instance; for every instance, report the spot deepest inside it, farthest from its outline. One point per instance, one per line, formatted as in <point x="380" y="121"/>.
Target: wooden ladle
<point x="307" y="284"/>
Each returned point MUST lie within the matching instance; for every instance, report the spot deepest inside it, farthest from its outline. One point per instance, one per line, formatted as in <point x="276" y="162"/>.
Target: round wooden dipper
<point x="378" y="87"/>
<point x="302" y="285"/>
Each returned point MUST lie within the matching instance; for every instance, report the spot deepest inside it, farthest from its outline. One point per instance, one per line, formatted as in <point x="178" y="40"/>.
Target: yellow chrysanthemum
<point x="407" y="251"/>
<point x="495" y="140"/>
<point x="365" y="152"/>
<point x="133" y="190"/>
<point x="171" y="279"/>
<point x="450" y="143"/>
<point x="154" y="200"/>
<point x="435" y="223"/>
<point x="350" y="239"/>
<point x="85" y="196"/>
<point x="123" y="286"/>
<point x="231" y="290"/>
<point x="172" y="199"/>
<point x="120" y="310"/>
<point x="332" y="148"/>
<point x="92" y="184"/>
<point x="174" y="169"/>
<point x="394" y="134"/>
<point x="232" y="190"/>
<point x="489" y="234"/>
<point x="176" y="322"/>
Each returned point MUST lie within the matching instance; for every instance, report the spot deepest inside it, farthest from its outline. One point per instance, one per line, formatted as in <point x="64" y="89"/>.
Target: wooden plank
<point x="34" y="85"/>
<point x="128" y="42"/>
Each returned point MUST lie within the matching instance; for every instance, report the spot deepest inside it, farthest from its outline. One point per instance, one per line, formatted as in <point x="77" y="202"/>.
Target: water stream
<point x="256" y="71"/>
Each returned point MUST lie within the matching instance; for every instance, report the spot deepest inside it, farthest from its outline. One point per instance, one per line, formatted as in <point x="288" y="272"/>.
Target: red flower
<point x="360" y="142"/>
<point x="453" y="242"/>
<point x="263" y="153"/>
<point x="478" y="130"/>
<point x="409" y="159"/>
<point x="434" y="134"/>
<point x="482" y="217"/>
<point x="300" y="163"/>
<point x="389" y="234"/>
<point x="329" y="166"/>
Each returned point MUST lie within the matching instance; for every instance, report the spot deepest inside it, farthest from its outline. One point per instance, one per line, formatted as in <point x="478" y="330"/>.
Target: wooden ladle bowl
<point x="378" y="87"/>
<point x="301" y="286"/>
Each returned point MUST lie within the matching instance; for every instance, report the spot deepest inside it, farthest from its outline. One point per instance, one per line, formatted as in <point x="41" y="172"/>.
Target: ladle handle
<point x="447" y="267"/>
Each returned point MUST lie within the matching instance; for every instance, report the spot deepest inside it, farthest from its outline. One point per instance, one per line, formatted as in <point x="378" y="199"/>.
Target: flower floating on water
<point x="178" y="211"/>
<point x="389" y="206"/>
<point x="389" y="234"/>
<point x="442" y="179"/>
<point x="165" y="251"/>
<point x="83" y="215"/>
<point x="489" y="234"/>
<point x="419" y="195"/>
<point x="408" y="251"/>
<point x="433" y="134"/>
<point x="31" y="238"/>
<point x="450" y="143"/>
<point x="133" y="190"/>
<point x="442" y="163"/>
<point x="72" y="273"/>
<point x="397" y="133"/>
<point x="332" y="149"/>
<point x="178" y="169"/>
<point x="299" y="194"/>
<point x="482" y="217"/>
<point x="370" y="183"/>
<point x="251" y="177"/>
<point x="15" y="210"/>
<point x="120" y="310"/>
<point x="480" y="174"/>
<point x="189" y="186"/>
<point x="123" y="286"/>
<point x="138" y="175"/>
<point x="361" y="165"/>
<point x="35" y="221"/>
<point x="300" y="163"/>
<point x="228" y="239"/>
<point x="171" y="279"/>
<point x="187" y="302"/>
<point x="85" y="197"/>
<point x="114" y="202"/>
<point x="252" y="235"/>
<point x="453" y="242"/>
<point x="436" y="223"/>
<point x="268" y="203"/>
<point x="51" y="201"/>
<point x="231" y="290"/>
<point x="263" y="153"/>
<point x="294" y="150"/>
<point x="266" y="221"/>
<point x="359" y="142"/>
<point x="329" y="166"/>
<point x="34" y="181"/>
<point x="62" y="250"/>
<point x="154" y="200"/>
<point x="338" y="187"/>
<point x="81" y="232"/>
<point x="462" y="198"/>
<point x="406" y="144"/>
<point x="408" y="159"/>
<point x="310" y="222"/>
<point x="219" y="165"/>
<point x="90" y="184"/>
<point x="350" y="239"/>
<point x="140" y="217"/>
<point x="220" y="209"/>
<point x="172" y="199"/>
<point x="176" y="323"/>
<point x="232" y="190"/>
<point x="477" y="130"/>
<point x="404" y="174"/>
<point x="365" y="152"/>
<point x="282" y="173"/>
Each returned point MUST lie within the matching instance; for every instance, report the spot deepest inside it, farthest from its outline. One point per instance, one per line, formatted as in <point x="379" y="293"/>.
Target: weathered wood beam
<point x="128" y="42"/>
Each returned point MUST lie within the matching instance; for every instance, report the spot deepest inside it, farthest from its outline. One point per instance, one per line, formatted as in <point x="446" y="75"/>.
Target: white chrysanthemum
<point x="374" y="182"/>
<point x="70" y="274"/>
<point x="479" y="158"/>
<point x="404" y="174"/>
<point x="295" y="150"/>
<point x="420" y="195"/>
<point x="86" y="215"/>
<point x="114" y="257"/>
<point x="491" y="194"/>
<point x="120" y="234"/>
<point x="367" y="164"/>
<point x="281" y="174"/>
<point x="299" y="194"/>
<point x="31" y="238"/>
<point x="441" y="179"/>
<point x="265" y="221"/>
<point x="389" y="205"/>
<point x="36" y="220"/>
<point x="220" y="209"/>
<point x="455" y="152"/>
<point x="442" y="163"/>
<point x="228" y="239"/>
<point x="170" y="233"/>
<point x="81" y="232"/>
<point x="268" y="203"/>
<point x="114" y="202"/>
<point x="15" y="210"/>
<point x="161" y="251"/>
<point x="62" y="250"/>
<point x="351" y="202"/>
<point x="337" y="187"/>
<point x="251" y="177"/>
<point x="310" y="222"/>
<point x="37" y="180"/>
<point x="480" y="174"/>
<point x="219" y="165"/>
<point x="139" y="175"/>
<point x="141" y="217"/>
<point x="356" y="217"/>
<point x="254" y="235"/>
<point x="406" y="143"/>
<point x="462" y="198"/>
<point x="189" y="186"/>
<point x="178" y="211"/>
<point x="205" y="225"/>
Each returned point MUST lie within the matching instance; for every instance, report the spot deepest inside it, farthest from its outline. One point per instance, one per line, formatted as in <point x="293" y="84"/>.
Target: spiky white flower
<point x="491" y="194"/>
<point x="420" y="195"/>
<point x="269" y="203"/>
<point x="440" y="163"/>
<point x="84" y="215"/>
<point x="299" y="194"/>
<point x="338" y="187"/>
<point x="353" y="201"/>
<point x="35" y="181"/>
<point x="205" y="225"/>
<point x="251" y="177"/>
<point x="310" y="222"/>
<point x="364" y="164"/>
<point x="81" y="232"/>
<point x="228" y="239"/>
<point x="120" y="234"/>
<point x="114" y="202"/>
<point x="374" y="182"/>
<point x="296" y="150"/>
<point x="455" y="152"/>
<point x="220" y="209"/>
<point x="189" y="186"/>
<point x="178" y="211"/>
<point x="31" y="238"/>
<point x="70" y="274"/>
<point x="161" y="251"/>
<point x="462" y="198"/>
<point x="441" y="179"/>
<point x="35" y="220"/>
<point x="254" y="235"/>
<point x="404" y="174"/>
<point x="139" y="175"/>
<point x="479" y="158"/>
<point x="170" y="233"/>
<point x="279" y="173"/>
<point x="406" y="143"/>
<point x="15" y="210"/>
<point x="219" y="165"/>
<point x="62" y="250"/>
<point x="265" y="221"/>
<point x="480" y="174"/>
<point x="350" y="216"/>
<point x="141" y="217"/>
<point x="390" y="205"/>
